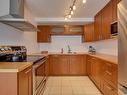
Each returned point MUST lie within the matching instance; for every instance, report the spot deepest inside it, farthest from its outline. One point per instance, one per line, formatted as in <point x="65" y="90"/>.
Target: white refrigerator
<point x="122" y="46"/>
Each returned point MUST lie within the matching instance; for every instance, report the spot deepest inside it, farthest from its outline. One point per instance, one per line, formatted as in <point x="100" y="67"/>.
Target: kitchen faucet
<point x="69" y="49"/>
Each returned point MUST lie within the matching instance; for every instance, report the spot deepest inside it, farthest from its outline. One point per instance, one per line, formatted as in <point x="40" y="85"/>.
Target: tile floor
<point x="70" y="86"/>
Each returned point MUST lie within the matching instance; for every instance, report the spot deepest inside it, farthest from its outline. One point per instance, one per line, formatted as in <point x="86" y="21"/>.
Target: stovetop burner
<point x="17" y="54"/>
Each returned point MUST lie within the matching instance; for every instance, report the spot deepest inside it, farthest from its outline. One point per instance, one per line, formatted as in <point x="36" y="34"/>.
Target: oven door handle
<point x="36" y="65"/>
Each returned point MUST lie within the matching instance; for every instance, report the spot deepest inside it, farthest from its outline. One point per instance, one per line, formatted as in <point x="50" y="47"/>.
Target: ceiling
<point x="53" y="11"/>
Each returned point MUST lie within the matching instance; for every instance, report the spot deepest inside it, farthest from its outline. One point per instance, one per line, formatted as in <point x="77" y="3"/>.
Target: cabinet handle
<point x="27" y="71"/>
<point x="110" y="88"/>
<point x="108" y="73"/>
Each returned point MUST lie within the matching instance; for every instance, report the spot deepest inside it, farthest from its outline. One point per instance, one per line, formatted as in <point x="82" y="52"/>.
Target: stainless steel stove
<point x="19" y="54"/>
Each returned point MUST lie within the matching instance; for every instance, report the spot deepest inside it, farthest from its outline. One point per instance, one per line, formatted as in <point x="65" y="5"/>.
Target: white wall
<point x="12" y="36"/>
<point x="107" y="46"/>
<point x="58" y="42"/>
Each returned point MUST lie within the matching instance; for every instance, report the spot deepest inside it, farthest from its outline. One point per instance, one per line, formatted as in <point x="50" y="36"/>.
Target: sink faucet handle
<point x="69" y="49"/>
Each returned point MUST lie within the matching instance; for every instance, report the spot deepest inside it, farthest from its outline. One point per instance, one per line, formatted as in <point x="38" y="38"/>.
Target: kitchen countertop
<point x="19" y="66"/>
<point x="106" y="57"/>
<point x="109" y="58"/>
<point x="14" y="66"/>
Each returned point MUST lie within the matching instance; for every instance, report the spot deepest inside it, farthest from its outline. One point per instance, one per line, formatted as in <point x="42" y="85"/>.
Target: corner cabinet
<point x="104" y="74"/>
<point x="88" y="35"/>
<point x="43" y="36"/>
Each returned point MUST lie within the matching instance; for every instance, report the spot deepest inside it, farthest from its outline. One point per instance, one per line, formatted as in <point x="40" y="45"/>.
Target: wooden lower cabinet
<point x="95" y="71"/>
<point x="67" y="65"/>
<point x="25" y="82"/>
<point x="104" y="74"/>
<point x="59" y="65"/>
<point x="77" y="65"/>
<point x="16" y="83"/>
<point x="108" y="89"/>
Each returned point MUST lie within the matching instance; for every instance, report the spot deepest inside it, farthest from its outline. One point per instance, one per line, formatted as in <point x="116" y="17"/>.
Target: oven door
<point x="39" y="77"/>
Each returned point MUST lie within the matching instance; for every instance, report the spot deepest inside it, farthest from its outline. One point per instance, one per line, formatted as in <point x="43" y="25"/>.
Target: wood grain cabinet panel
<point x="25" y="82"/>
<point x="104" y="74"/>
<point x="108" y="89"/>
<point x="106" y="21"/>
<point x="16" y="83"/>
<point x="77" y="65"/>
<point x="88" y="66"/>
<point x="43" y="36"/>
<point x="96" y="71"/>
<point x="103" y="20"/>
<point x="59" y="65"/>
<point x="98" y="27"/>
<point x="89" y="32"/>
<point x="67" y="65"/>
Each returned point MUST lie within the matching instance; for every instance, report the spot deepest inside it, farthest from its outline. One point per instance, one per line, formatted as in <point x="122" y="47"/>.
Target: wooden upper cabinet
<point x="43" y="36"/>
<point x="103" y="20"/>
<point x="89" y="32"/>
<point x="106" y="21"/>
<point x="67" y="30"/>
<point x="98" y="27"/>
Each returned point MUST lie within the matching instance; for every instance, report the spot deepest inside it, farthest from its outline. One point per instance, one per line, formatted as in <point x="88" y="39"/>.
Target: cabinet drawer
<point x="108" y="89"/>
<point x="110" y="73"/>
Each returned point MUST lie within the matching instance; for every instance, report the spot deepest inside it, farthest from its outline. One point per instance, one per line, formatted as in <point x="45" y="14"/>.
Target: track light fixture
<point x="72" y="8"/>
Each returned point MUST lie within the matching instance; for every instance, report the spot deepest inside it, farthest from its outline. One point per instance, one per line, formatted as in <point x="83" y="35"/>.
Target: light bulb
<point x="83" y="1"/>
<point x="69" y="16"/>
<point x="72" y="12"/>
<point x="65" y="18"/>
<point x="74" y="7"/>
<point x="70" y="8"/>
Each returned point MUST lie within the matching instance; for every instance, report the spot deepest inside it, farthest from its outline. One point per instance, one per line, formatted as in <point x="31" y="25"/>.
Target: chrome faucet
<point x="69" y="49"/>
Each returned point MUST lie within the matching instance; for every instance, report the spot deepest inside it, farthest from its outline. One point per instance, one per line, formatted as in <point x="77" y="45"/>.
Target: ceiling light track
<point x="72" y="8"/>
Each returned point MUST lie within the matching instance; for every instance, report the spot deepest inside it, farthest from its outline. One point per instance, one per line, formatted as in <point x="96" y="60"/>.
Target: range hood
<point x="16" y="17"/>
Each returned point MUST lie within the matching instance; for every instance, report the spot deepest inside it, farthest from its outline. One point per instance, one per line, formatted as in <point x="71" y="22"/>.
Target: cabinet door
<point x="106" y="21"/>
<point x="57" y="30"/>
<point x="108" y="89"/>
<point x="77" y="65"/>
<point x="25" y="82"/>
<point x="95" y="71"/>
<point x="43" y="36"/>
<point x="88" y="64"/>
<point x="111" y="73"/>
<point x="98" y="27"/>
<point x="59" y="65"/>
<point x="89" y="32"/>
<point x="75" y="30"/>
